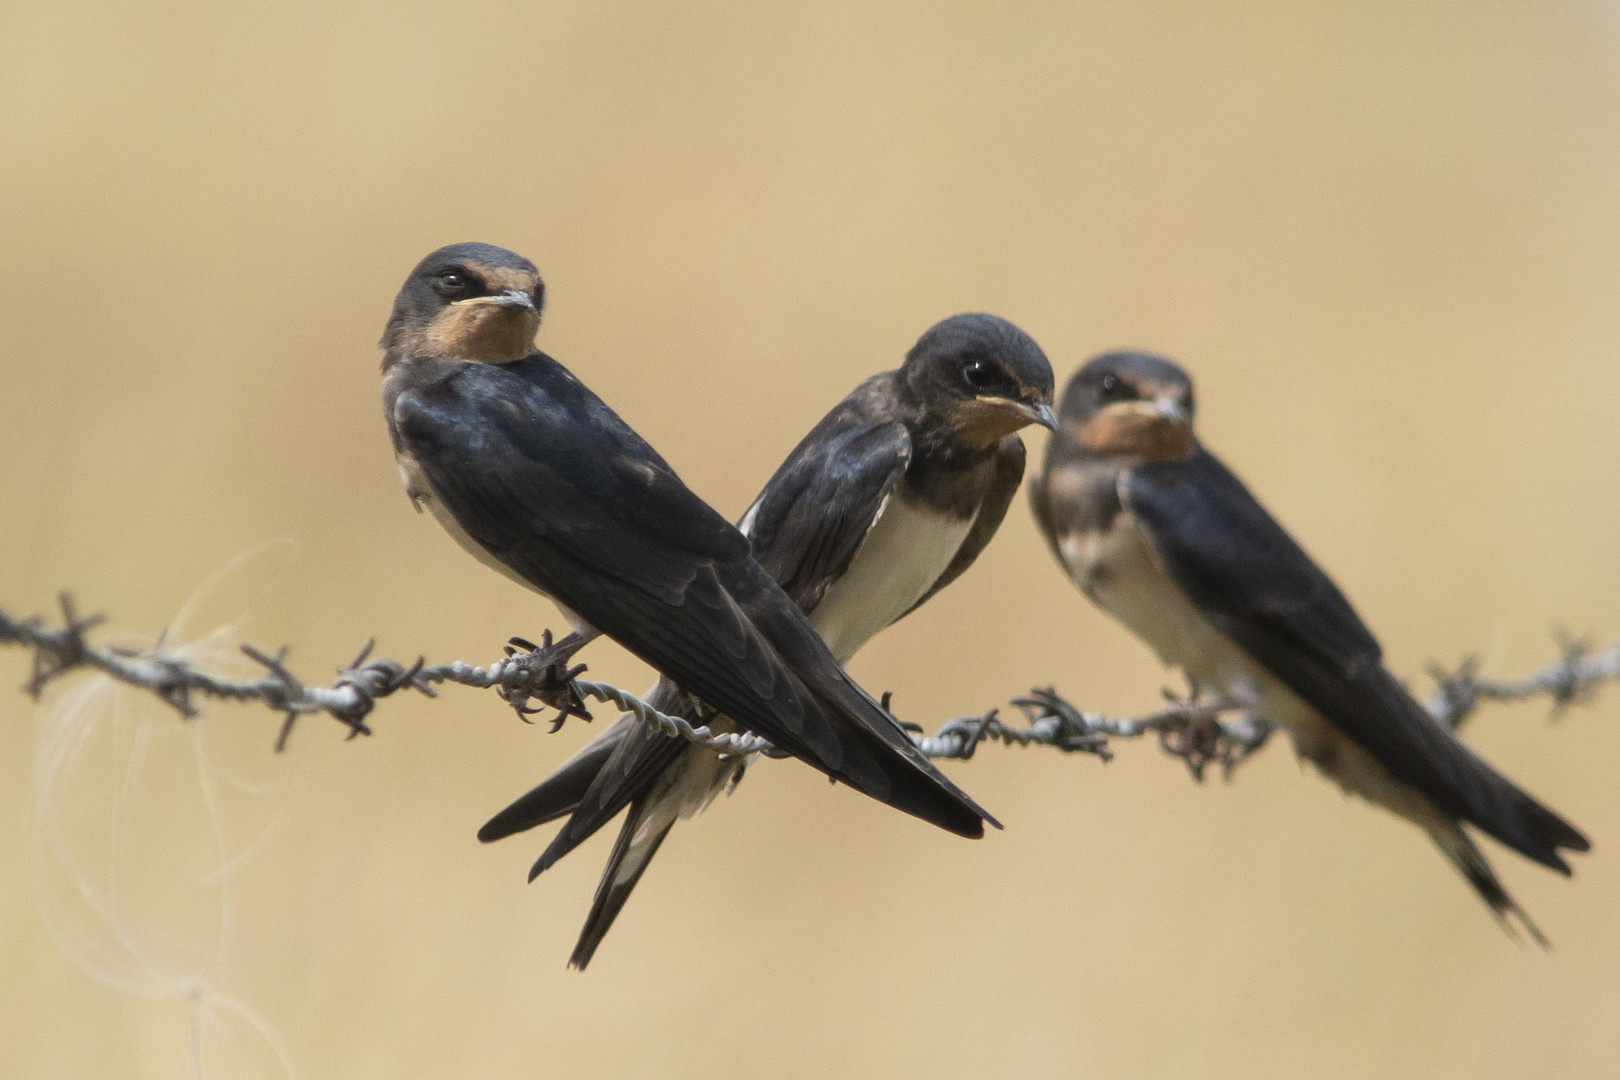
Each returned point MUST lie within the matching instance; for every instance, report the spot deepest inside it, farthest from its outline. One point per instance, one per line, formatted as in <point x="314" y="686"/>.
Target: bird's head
<point x="1130" y="404"/>
<point x="470" y="302"/>
<point x="984" y="376"/>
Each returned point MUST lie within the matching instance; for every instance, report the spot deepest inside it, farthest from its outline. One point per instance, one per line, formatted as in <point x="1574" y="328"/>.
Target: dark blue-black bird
<point x="885" y="502"/>
<point x="1155" y="530"/>
<point x="538" y="478"/>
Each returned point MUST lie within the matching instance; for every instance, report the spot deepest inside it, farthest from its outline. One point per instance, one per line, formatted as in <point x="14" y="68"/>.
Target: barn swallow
<point x="885" y="502"/>
<point x="1159" y="534"/>
<point x="535" y="476"/>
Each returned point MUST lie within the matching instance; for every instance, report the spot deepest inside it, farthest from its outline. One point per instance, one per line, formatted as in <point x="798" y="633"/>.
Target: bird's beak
<point x="1042" y="415"/>
<point x="1173" y="411"/>
<point x="511" y="298"/>
<point x="1039" y="413"/>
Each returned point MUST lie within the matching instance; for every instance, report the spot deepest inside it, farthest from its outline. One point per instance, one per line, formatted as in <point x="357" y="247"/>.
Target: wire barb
<point x="1572" y="679"/>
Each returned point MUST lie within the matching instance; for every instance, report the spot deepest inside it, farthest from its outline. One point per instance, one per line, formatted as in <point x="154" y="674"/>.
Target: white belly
<point x="901" y="558"/>
<point x="1117" y="570"/>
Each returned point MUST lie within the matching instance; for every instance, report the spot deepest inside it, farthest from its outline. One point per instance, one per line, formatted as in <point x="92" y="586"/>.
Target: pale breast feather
<point x="1116" y="568"/>
<point x="907" y="549"/>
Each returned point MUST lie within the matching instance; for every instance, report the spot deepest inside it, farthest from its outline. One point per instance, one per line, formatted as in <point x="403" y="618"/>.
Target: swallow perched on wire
<point x="1159" y="534"/>
<point x="885" y="502"/>
<point x="536" y="477"/>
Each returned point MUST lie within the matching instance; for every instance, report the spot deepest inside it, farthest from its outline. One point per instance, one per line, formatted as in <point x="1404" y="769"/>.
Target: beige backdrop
<point x="1385" y="238"/>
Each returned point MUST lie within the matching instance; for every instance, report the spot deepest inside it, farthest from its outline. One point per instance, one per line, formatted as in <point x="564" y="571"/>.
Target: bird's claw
<point x="1197" y="740"/>
<point x="910" y="726"/>
<point x="541" y="673"/>
<point x="1197" y="735"/>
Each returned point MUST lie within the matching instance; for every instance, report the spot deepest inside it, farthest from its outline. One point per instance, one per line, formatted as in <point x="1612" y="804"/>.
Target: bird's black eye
<point x="983" y="376"/>
<point x="1115" y="388"/>
<point x="451" y="282"/>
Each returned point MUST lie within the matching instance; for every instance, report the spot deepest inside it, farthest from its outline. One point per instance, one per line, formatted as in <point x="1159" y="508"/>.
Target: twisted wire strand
<point x="731" y="744"/>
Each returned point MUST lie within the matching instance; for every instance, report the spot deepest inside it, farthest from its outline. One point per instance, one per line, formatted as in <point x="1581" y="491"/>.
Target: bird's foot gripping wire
<point x="1204" y="733"/>
<point x="1196" y="738"/>
<point x="541" y="673"/>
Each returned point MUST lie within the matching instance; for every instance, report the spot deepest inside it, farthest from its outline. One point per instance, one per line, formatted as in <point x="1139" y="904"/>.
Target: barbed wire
<point x="1199" y="733"/>
<point x="1572" y="679"/>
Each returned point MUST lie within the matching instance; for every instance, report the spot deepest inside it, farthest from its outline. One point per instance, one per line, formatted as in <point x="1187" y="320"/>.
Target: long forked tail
<point x="1431" y="758"/>
<point x="1465" y="855"/>
<point x="639" y="840"/>
<point x="559" y="794"/>
<point x="1532" y="828"/>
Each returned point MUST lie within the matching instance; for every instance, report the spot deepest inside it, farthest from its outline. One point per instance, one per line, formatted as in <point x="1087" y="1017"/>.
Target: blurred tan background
<point x="1385" y="239"/>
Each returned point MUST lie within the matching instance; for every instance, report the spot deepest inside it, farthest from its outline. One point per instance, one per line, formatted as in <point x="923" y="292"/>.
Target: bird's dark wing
<point x="815" y="512"/>
<point x="805" y="527"/>
<point x="1255" y="584"/>
<point x="1040" y="508"/>
<point x="1243" y="570"/>
<point x="545" y="477"/>
<point x="1007" y="474"/>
